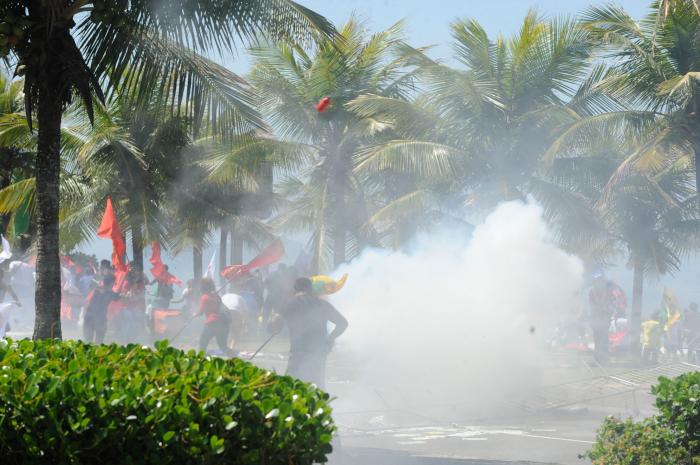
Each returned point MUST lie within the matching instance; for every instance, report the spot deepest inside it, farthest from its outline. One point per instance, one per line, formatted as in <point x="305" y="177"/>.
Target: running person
<point x="216" y="322"/>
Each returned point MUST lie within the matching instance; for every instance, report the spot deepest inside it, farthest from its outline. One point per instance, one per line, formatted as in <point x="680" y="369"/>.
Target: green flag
<point x="20" y="220"/>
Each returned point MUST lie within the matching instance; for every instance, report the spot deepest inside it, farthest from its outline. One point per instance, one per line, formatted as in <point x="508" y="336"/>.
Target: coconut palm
<point x="64" y="48"/>
<point x="323" y="195"/>
<point x="649" y="217"/>
<point x="202" y="202"/>
<point x="655" y="65"/>
<point x="479" y="133"/>
<point x="655" y="219"/>
<point x="134" y="154"/>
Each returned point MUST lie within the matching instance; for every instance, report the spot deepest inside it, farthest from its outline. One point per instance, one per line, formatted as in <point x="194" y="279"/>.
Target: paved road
<point x="368" y="456"/>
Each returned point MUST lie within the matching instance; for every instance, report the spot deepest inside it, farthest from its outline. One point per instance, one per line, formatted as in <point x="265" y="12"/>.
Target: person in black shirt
<point x="306" y="317"/>
<point x="95" y="322"/>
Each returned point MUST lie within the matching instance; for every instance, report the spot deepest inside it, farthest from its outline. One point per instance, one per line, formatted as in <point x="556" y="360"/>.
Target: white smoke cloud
<point x="452" y="322"/>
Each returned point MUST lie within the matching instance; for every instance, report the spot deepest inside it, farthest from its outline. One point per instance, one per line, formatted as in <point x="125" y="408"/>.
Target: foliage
<point x="318" y="151"/>
<point x="625" y="442"/>
<point x="670" y="438"/>
<point x="678" y="400"/>
<point x="480" y="132"/>
<point x="653" y="74"/>
<point x="69" y="402"/>
<point x="149" y="39"/>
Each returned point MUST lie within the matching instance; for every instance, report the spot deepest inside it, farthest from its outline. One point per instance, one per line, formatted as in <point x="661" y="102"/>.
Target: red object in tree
<point x="109" y="228"/>
<point x="267" y="256"/>
<point x="323" y="104"/>
<point x="158" y="270"/>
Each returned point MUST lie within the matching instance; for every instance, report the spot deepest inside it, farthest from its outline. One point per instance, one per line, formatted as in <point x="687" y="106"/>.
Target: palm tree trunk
<point x="137" y="247"/>
<point x="339" y="245"/>
<point x="197" y="263"/>
<point x="339" y="227"/>
<point x="236" y="248"/>
<point x="636" y="315"/>
<point x="222" y="252"/>
<point x="47" y="298"/>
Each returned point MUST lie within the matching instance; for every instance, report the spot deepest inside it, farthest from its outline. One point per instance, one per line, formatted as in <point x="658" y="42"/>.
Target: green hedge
<point x="73" y="403"/>
<point x="670" y="438"/>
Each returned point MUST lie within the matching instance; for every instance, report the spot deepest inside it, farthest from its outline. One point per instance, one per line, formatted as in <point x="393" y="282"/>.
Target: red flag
<point x="267" y="256"/>
<point x="158" y="270"/>
<point x="233" y="272"/>
<point x="109" y="228"/>
<point x="160" y="315"/>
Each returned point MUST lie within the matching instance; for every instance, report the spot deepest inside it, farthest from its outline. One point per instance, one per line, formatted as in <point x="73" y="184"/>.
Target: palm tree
<point x="133" y="47"/>
<point x="647" y="217"/>
<point x="479" y="134"/>
<point x="655" y="219"/>
<point x="202" y="200"/>
<point x="134" y="154"/>
<point x="655" y="65"/>
<point x="317" y="150"/>
<point x="16" y="153"/>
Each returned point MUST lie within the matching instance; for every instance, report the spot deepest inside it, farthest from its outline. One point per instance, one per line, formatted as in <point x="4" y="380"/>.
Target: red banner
<point x="158" y="270"/>
<point x="267" y="256"/>
<point x="109" y="229"/>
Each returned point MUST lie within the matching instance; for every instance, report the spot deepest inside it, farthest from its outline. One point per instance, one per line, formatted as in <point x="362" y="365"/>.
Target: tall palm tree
<point x="655" y="219"/>
<point x="135" y="47"/>
<point x="647" y="217"/>
<point x="654" y="71"/>
<point x="479" y="133"/>
<point x="324" y="195"/>
<point x="134" y="154"/>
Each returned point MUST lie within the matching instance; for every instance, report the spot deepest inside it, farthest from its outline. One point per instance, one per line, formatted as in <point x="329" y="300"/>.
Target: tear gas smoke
<point x="459" y="322"/>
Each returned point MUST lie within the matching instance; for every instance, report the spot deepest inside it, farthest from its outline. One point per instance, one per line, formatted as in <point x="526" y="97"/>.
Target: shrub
<point x="669" y="438"/>
<point x="73" y="403"/>
<point x="678" y="401"/>
<point x="625" y="442"/>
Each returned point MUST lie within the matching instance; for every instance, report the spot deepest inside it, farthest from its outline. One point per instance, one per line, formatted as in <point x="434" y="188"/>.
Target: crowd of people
<point x="668" y="331"/>
<point x="130" y="307"/>
<point x="98" y="299"/>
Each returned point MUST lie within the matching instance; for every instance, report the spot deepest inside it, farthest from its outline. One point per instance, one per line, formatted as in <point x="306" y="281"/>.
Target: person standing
<point x="106" y="268"/>
<point x="7" y="289"/>
<point x="189" y="298"/>
<point x="216" y="323"/>
<point x="651" y="339"/>
<point x="95" y="319"/>
<point x="280" y="288"/>
<point x="601" y="312"/>
<point x="132" y="318"/>
<point x="307" y="317"/>
<point x="6" y="308"/>
<point x="164" y="292"/>
<point x="673" y="339"/>
<point x="86" y="283"/>
<point x="691" y="330"/>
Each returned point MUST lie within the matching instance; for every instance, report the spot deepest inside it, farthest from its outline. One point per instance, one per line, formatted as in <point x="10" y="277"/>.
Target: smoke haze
<point x="457" y="322"/>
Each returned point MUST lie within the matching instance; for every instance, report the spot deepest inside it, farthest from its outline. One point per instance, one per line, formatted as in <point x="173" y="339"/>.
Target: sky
<point x="427" y="22"/>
